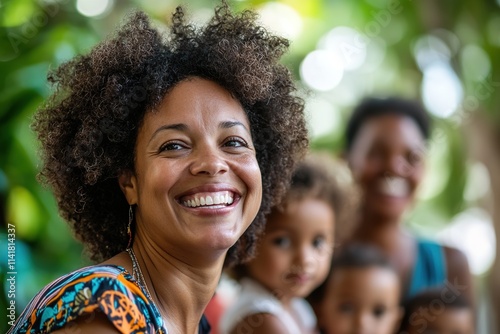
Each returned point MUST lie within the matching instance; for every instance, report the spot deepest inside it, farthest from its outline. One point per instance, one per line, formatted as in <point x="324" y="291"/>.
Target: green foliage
<point x="37" y="36"/>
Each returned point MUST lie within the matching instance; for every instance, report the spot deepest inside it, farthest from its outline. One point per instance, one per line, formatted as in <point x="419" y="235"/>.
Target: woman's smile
<point x="217" y="199"/>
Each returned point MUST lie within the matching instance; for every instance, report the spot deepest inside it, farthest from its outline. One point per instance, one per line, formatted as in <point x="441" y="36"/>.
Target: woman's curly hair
<point x="88" y="127"/>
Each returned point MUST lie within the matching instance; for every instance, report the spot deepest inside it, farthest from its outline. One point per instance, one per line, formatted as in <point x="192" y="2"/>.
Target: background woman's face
<point x="387" y="161"/>
<point x="197" y="183"/>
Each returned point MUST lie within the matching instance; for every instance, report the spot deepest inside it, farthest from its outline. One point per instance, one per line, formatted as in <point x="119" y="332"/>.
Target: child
<point x="438" y="311"/>
<point x="292" y="257"/>
<point x="360" y="295"/>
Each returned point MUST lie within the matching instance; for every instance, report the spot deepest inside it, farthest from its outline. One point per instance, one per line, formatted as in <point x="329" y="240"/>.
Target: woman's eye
<point x="172" y="146"/>
<point x="414" y="158"/>
<point x="235" y="142"/>
<point x="282" y="242"/>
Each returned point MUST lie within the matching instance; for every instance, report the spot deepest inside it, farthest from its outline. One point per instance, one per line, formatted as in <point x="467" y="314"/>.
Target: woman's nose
<point x="397" y="165"/>
<point x="208" y="161"/>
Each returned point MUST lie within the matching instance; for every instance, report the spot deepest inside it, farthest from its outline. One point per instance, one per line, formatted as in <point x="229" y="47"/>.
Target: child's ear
<point x="344" y="156"/>
<point x="128" y="184"/>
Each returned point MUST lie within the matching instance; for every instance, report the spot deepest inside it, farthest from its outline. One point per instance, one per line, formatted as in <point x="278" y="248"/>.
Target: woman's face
<point x="197" y="184"/>
<point x="387" y="162"/>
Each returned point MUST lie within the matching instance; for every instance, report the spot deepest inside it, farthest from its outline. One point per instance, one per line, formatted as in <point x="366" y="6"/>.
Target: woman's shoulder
<point x="454" y="264"/>
<point x="109" y="289"/>
<point x="454" y="257"/>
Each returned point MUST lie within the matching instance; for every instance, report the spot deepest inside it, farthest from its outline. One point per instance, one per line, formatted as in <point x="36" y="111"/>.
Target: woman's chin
<point x="219" y="242"/>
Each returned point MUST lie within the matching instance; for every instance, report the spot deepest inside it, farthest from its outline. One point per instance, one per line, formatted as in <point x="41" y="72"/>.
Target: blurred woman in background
<point x="386" y="142"/>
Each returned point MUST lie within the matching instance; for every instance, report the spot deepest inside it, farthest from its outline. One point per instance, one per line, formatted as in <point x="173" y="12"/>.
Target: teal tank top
<point x="430" y="267"/>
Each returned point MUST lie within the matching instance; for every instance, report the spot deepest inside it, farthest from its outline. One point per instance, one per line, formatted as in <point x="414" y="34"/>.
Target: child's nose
<point x="305" y="257"/>
<point x="362" y="323"/>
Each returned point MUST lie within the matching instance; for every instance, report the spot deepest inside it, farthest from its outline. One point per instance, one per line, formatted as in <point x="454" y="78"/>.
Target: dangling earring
<point x="129" y="226"/>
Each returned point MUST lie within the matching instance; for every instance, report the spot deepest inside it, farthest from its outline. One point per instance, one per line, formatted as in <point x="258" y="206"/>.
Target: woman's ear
<point x="128" y="184"/>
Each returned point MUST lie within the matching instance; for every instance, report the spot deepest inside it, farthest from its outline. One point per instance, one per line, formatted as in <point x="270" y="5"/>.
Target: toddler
<point x="438" y="311"/>
<point x="292" y="257"/>
<point x="361" y="294"/>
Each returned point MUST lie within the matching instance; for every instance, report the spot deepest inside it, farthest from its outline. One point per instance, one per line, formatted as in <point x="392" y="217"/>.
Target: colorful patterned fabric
<point x="106" y="288"/>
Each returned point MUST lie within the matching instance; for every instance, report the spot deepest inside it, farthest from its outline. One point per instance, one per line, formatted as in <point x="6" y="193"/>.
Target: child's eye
<point x="379" y="311"/>
<point x="172" y="146"/>
<point x="282" y="242"/>
<point x="235" y="142"/>
<point x="318" y="242"/>
<point x="346" y="308"/>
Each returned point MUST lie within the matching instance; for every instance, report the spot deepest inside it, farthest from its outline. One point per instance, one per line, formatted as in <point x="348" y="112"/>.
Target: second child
<point x="360" y="295"/>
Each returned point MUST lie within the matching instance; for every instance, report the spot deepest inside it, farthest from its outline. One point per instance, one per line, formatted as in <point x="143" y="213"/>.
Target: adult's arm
<point x="459" y="275"/>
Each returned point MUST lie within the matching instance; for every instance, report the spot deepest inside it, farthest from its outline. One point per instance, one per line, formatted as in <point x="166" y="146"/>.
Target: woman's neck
<point x="392" y="239"/>
<point x="180" y="290"/>
<point x="382" y="231"/>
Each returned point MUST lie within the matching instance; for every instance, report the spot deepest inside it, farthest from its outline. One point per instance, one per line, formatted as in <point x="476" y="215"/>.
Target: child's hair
<point x="427" y="298"/>
<point x="355" y="255"/>
<point x="318" y="176"/>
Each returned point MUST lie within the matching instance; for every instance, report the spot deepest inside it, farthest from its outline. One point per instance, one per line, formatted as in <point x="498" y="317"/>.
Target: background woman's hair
<point x="88" y="127"/>
<point x="371" y="107"/>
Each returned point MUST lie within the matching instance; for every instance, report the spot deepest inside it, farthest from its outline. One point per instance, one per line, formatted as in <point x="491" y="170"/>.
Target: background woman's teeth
<point x="217" y="199"/>
<point x="230" y="200"/>
<point x="202" y="201"/>
<point x="209" y="200"/>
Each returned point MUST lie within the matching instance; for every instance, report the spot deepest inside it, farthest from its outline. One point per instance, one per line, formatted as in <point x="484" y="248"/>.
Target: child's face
<point x="361" y="301"/>
<point x="293" y="256"/>
<point x="451" y="321"/>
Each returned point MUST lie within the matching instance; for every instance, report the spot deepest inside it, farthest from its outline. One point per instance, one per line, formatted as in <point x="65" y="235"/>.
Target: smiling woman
<point x="165" y="155"/>
<point x="386" y="144"/>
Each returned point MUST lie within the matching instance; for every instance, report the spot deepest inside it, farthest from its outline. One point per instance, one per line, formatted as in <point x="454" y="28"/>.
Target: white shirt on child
<point x="253" y="298"/>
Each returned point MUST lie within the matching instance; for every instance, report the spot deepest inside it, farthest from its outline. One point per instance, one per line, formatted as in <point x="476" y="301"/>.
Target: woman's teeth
<point x="215" y="199"/>
<point x="394" y="186"/>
